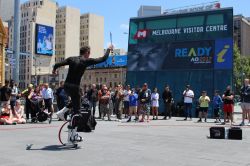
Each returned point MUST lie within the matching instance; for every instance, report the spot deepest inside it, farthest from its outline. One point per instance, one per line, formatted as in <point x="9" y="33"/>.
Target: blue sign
<point x="223" y="58"/>
<point x="113" y="61"/>
<point x="44" y="40"/>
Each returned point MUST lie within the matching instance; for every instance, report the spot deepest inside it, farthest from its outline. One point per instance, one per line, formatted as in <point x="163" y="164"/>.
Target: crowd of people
<point x="36" y="99"/>
<point x="132" y="104"/>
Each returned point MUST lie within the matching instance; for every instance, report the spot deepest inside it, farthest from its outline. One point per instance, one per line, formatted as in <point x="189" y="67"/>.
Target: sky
<point x="118" y="12"/>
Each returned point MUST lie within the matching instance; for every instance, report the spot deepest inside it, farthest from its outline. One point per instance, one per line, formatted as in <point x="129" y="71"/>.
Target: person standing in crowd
<point x="48" y="97"/>
<point x="36" y="101"/>
<point x="217" y="102"/>
<point x="127" y="92"/>
<point x="188" y="95"/>
<point x="26" y="94"/>
<point x="133" y="97"/>
<point x="228" y="107"/>
<point x="61" y="96"/>
<point x="245" y="102"/>
<point x="204" y="104"/>
<point x="167" y="99"/>
<point x="13" y="96"/>
<point x="145" y="100"/>
<point x="155" y="103"/>
<point x="119" y="102"/>
<point x="93" y="97"/>
<point x="104" y="97"/>
<point x="5" y="92"/>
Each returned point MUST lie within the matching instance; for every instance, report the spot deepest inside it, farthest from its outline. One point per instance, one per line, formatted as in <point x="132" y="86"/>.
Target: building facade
<point x="92" y="33"/>
<point x="67" y="36"/>
<point x="109" y="76"/>
<point x="34" y="12"/>
<point x="242" y="34"/>
<point x="3" y="37"/>
<point x="7" y="9"/>
<point x="145" y="11"/>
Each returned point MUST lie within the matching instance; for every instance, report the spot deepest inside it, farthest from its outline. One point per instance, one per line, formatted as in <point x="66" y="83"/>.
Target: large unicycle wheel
<point x="63" y="134"/>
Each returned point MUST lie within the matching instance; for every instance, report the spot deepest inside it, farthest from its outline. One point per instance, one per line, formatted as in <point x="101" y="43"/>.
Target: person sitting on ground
<point x="6" y="114"/>
<point x="19" y="110"/>
<point x="204" y="104"/>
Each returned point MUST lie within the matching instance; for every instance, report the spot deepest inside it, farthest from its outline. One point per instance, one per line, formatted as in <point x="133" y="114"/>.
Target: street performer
<point x="77" y="66"/>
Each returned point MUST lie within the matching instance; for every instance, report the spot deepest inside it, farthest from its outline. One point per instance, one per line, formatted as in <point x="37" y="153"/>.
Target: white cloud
<point x="124" y="26"/>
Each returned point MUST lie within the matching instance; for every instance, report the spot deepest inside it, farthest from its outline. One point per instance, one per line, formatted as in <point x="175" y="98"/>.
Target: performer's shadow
<point x="56" y="148"/>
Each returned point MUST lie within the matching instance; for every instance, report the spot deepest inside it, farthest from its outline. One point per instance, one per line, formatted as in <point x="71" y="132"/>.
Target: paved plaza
<point x="162" y="142"/>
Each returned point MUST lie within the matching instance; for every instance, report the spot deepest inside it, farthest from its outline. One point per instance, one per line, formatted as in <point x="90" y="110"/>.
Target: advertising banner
<point x="44" y="40"/>
<point x="113" y="61"/>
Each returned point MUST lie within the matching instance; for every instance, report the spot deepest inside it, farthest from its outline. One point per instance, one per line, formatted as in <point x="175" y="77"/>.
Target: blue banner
<point x="223" y="58"/>
<point x="113" y="61"/>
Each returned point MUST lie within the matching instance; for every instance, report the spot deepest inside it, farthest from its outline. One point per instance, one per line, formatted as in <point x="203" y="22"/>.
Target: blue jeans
<point x="188" y="109"/>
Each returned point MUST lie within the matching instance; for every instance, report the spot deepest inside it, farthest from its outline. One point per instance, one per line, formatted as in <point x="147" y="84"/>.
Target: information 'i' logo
<point x="220" y="56"/>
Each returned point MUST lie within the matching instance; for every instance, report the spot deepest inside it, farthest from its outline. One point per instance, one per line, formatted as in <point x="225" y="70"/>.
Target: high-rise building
<point x="145" y="11"/>
<point x="67" y="35"/>
<point x="92" y="33"/>
<point x="33" y="65"/>
<point x="242" y="34"/>
<point x="7" y="9"/>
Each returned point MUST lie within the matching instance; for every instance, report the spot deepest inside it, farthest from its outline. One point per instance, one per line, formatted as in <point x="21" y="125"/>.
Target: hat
<point x="30" y="85"/>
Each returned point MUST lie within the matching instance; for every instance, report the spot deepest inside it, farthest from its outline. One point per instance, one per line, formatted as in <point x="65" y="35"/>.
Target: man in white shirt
<point x="48" y="99"/>
<point x="127" y="93"/>
<point x="188" y="95"/>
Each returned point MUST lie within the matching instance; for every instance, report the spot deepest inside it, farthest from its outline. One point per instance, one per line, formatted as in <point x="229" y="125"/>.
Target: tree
<point x="241" y="68"/>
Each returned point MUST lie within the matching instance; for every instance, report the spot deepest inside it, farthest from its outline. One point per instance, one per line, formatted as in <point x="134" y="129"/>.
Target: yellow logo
<point x="220" y="56"/>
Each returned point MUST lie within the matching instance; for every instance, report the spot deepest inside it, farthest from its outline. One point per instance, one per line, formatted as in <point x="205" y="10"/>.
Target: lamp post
<point x="16" y="44"/>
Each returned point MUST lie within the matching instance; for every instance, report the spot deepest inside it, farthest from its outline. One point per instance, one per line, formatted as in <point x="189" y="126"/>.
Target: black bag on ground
<point x="217" y="132"/>
<point x="86" y="122"/>
<point x="235" y="133"/>
<point x="42" y="116"/>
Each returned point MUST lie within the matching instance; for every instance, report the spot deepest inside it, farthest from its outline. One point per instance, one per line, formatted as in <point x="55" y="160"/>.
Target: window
<point x="96" y="80"/>
<point x="115" y="76"/>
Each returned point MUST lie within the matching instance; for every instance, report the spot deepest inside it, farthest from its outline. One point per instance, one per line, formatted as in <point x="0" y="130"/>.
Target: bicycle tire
<point x="61" y="133"/>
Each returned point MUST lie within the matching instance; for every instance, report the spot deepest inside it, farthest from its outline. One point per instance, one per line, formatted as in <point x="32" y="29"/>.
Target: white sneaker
<point x="76" y="138"/>
<point x="60" y="114"/>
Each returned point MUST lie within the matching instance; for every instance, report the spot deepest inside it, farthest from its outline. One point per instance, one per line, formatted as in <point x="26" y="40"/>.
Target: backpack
<point x="85" y="122"/>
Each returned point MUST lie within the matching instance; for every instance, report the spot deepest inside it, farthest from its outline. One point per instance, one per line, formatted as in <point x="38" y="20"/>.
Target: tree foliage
<point x="241" y="68"/>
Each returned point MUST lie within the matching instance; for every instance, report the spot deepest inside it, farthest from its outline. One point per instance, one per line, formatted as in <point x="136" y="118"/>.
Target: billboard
<point x="44" y="40"/>
<point x="188" y="48"/>
<point x="113" y="61"/>
<point x="187" y="41"/>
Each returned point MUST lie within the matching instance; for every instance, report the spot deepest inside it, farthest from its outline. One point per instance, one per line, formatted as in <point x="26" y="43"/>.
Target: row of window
<point x="28" y="4"/>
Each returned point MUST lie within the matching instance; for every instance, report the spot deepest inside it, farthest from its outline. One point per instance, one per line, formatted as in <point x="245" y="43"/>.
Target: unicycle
<point x="67" y="135"/>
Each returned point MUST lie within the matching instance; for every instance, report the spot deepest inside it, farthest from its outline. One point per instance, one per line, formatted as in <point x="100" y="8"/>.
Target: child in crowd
<point x="6" y="114"/>
<point x="204" y="104"/>
<point x="217" y="102"/>
<point x="133" y="97"/>
<point x="19" y="110"/>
